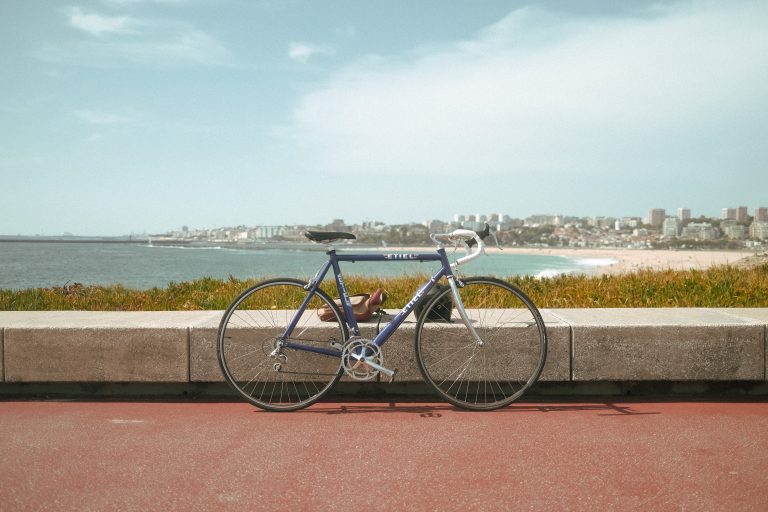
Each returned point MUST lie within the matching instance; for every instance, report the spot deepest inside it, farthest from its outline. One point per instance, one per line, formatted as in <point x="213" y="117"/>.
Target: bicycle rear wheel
<point x="486" y="374"/>
<point x="269" y="369"/>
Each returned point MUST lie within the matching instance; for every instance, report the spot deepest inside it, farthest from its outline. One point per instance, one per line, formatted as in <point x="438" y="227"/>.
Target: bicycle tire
<point x="250" y="332"/>
<point x="498" y="372"/>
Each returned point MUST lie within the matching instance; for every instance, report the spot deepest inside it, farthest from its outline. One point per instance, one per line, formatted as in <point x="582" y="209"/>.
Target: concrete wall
<point x="585" y="345"/>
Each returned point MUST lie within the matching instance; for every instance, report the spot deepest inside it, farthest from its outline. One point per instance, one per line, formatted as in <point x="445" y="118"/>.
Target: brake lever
<point x="483" y="234"/>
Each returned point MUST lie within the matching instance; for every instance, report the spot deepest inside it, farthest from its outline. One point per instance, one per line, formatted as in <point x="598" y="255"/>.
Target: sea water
<point x="47" y="264"/>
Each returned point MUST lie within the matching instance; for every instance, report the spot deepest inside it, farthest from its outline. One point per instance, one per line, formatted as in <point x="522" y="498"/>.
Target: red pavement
<point x="379" y="456"/>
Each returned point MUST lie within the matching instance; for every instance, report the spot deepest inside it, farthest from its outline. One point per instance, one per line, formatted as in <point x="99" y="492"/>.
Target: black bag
<point x="441" y="311"/>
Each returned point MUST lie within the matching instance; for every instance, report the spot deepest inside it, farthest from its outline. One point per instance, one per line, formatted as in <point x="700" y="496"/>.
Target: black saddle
<point x="324" y="237"/>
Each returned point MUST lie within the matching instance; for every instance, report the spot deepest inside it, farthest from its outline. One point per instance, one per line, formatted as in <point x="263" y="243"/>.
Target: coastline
<point x="632" y="260"/>
<point x="622" y="261"/>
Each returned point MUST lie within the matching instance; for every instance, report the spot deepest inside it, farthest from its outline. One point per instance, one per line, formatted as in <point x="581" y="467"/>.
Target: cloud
<point x="302" y="52"/>
<point x="673" y="88"/>
<point x="98" y="25"/>
<point x="123" y="40"/>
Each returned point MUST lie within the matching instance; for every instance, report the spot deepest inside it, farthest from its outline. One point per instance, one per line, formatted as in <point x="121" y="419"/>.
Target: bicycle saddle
<point x="328" y="236"/>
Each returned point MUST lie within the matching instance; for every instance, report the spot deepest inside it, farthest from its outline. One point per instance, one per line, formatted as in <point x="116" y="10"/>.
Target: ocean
<point x="47" y="264"/>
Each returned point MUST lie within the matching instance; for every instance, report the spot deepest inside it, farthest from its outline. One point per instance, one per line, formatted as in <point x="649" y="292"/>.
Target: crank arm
<point x="386" y="371"/>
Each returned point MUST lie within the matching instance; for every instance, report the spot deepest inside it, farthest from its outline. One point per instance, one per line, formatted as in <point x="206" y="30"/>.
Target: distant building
<point x="436" y="226"/>
<point x="671" y="227"/>
<point x="656" y="217"/>
<point x="729" y="213"/>
<point x="627" y="222"/>
<point x="540" y="220"/>
<point x="683" y="214"/>
<point x="266" y="232"/>
<point x="761" y="214"/>
<point x="733" y="230"/>
<point x="602" y="222"/>
<point x="759" y="230"/>
<point x="699" y="231"/>
<point x="741" y="214"/>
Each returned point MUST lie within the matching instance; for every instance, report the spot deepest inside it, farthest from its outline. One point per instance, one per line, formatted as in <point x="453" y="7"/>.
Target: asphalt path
<point x="383" y="456"/>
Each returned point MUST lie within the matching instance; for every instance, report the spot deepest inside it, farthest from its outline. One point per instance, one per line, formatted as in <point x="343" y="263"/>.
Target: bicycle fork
<point x="462" y="312"/>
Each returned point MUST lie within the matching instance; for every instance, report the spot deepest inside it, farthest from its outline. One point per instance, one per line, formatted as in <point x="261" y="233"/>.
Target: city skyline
<point x="122" y="116"/>
<point x="759" y="213"/>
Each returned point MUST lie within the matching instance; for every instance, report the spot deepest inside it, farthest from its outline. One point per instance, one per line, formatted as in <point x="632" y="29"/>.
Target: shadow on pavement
<point x="437" y="410"/>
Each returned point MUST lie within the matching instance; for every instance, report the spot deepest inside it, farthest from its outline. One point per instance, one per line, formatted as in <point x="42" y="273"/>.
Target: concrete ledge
<point x="586" y="345"/>
<point x="664" y="344"/>
<point x="97" y="346"/>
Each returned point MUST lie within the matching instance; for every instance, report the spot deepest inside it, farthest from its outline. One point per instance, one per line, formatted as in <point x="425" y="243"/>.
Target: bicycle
<point x="480" y="342"/>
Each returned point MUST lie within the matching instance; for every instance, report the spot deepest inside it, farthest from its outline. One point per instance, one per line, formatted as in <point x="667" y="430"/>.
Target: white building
<point x="759" y="230"/>
<point x="266" y="232"/>
<point x="671" y="227"/>
<point x="700" y="231"/>
<point x="733" y="230"/>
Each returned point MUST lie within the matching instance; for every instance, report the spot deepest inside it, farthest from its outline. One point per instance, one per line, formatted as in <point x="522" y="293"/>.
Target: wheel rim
<point x="493" y="374"/>
<point x="251" y="357"/>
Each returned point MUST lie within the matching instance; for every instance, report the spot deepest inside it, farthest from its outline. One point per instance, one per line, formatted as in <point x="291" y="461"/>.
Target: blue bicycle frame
<point x="333" y="263"/>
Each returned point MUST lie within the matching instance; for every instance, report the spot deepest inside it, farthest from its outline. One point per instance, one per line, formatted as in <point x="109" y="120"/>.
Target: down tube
<point x="392" y="326"/>
<point x="313" y="286"/>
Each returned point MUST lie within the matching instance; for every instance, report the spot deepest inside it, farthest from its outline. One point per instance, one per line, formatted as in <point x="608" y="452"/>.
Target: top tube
<point x="457" y="236"/>
<point x="352" y="257"/>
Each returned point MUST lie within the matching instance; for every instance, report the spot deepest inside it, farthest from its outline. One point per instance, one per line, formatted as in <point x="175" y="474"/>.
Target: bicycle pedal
<point x="392" y="377"/>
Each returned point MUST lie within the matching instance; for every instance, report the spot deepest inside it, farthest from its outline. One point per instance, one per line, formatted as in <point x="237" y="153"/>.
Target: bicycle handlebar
<point x="463" y="235"/>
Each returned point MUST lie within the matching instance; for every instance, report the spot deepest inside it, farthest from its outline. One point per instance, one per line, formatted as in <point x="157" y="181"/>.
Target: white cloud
<point x="678" y="87"/>
<point x="302" y="52"/>
<point x="98" y="25"/>
<point x="134" y="41"/>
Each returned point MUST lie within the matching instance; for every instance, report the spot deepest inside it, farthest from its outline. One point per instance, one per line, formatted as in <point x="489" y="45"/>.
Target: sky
<point x="142" y="116"/>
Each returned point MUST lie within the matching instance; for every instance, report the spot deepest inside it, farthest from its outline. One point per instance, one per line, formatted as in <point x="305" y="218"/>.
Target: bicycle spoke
<point x="500" y="370"/>
<point x="253" y="359"/>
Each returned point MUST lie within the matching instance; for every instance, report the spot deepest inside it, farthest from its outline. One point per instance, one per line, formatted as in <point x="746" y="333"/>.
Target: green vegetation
<point x="723" y="286"/>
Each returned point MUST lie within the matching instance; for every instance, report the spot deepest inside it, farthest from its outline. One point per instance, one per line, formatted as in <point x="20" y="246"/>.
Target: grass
<point x="723" y="286"/>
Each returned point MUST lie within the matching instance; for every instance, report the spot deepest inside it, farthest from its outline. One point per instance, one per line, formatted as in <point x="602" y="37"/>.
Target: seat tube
<point x="346" y="305"/>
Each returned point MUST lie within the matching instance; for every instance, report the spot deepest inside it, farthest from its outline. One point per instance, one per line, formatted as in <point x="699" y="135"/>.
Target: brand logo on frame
<point x="413" y="301"/>
<point x="401" y="256"/>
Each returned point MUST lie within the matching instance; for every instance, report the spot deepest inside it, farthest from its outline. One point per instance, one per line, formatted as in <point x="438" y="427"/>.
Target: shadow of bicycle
<point x="431" y="410"/>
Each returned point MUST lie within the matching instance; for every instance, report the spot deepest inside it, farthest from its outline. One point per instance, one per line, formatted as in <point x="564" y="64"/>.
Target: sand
<point x="619" y="261"/>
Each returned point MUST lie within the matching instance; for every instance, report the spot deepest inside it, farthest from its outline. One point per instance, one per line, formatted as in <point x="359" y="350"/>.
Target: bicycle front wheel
<point x="269" y="367"/>
<point x="493" y="369"/>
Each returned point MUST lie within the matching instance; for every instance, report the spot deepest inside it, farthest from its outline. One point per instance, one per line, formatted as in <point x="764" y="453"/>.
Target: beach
<point x="621" y="261"/>
<point x="613" y="261"/>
